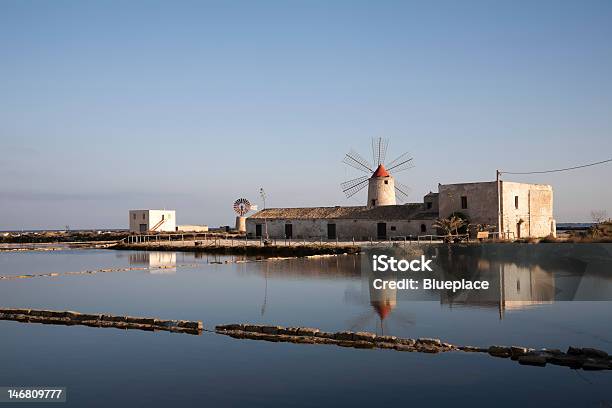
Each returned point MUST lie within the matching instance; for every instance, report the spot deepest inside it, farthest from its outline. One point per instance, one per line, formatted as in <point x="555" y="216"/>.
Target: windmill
<point x="241" y="207"/>
<point x="382" y="187"/>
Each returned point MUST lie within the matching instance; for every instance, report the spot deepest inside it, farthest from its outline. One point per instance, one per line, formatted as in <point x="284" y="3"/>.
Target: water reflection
<point x="512" y="287"/>
<point x="520" y="277"/>
<point x="158" y="262"/>
<point x="328" y="293"/>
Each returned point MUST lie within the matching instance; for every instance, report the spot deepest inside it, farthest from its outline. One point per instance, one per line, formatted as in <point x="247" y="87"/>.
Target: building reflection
<point x="519" y="278"/>
<point x="512" y="287"/>
<point x="158" y="262"/>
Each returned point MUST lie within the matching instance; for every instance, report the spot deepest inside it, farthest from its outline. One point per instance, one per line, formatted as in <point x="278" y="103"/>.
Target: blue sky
<point x="112" y="105"/>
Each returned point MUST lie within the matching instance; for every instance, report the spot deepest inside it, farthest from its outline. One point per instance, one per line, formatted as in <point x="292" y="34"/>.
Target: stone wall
<point x="575" y="357"/>
<point x="346" y="229"/>
<point x="481" y="201"/>
<point x="527" y="209"/>
<point x="69" y="318"/>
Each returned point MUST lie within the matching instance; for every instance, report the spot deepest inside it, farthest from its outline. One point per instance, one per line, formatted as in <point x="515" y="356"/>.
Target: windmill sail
<point x="401" y="191"/>
<point x="403" y="162"/>
<point x="379" y="150"/>
<point x="357" y="162"/>
<point x="352" y="187"/>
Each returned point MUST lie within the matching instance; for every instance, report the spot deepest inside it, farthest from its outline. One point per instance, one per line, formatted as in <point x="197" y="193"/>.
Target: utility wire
<point x="557" y="170"/>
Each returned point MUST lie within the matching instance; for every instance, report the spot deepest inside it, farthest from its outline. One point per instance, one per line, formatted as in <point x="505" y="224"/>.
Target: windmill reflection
<point x="382" y="309"/>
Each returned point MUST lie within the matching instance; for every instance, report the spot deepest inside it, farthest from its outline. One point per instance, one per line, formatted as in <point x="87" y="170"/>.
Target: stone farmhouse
<point x="512" y="210"/>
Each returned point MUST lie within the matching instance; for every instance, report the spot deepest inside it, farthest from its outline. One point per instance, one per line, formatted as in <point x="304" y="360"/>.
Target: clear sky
<point x="107" y="106"/>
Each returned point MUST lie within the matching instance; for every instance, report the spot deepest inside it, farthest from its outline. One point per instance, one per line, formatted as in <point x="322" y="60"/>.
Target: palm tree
<point x="450" y="225"/>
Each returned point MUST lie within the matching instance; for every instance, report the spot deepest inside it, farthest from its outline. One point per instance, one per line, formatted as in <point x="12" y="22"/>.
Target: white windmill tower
<point x="382" y="187"/>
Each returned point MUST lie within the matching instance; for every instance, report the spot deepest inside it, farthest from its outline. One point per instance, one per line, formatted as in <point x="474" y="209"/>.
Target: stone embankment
<point x="69" y="318"/>
<point x="83" y="236"/>
<point x="93" y="272"/>
<point x="575" y="357"/>
<point x="249" y="250"/>
<point x="585" y="358"/>
<point x="295" y="250"/>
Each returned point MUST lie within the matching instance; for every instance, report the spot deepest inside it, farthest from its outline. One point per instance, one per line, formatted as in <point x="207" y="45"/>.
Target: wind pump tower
<point x="383" y="189"/>
<point x="241" y="207"/>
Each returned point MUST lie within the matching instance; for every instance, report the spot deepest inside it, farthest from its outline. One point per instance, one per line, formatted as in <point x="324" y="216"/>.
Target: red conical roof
<point x="382" y="308"/>
<point x="381" y="172"/>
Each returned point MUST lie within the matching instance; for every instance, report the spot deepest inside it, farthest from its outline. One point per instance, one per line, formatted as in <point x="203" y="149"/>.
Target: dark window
<point x="393" y="228"/>
<point x="134" y="216"/>
<point x="288" y="231"/>
<point x="516" y="202"/>
<point x="423" y="228"/>
<point x="386" y="181"/>
<point x="381" y="229"/>
<point x="429" y="205"/>
<point x="258" y="230"/>
<point x="331" y="231"/>
<point x="518" y="285"/>
<point x="373" y="202"/>
<point x="143" y="216"/>
<point x="463" y="202"/>
<point x="163" y="217"/>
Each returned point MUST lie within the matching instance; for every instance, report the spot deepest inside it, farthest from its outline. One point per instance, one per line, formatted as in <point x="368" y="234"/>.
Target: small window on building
<point x="373" y="202"/>
<point x="516" y="202"/>
<point x="134" y="216"/>
<point x="393" y="228"/>
<point x="163" y="217"/>
<point x="464" y="202"/>
<point x="429" y="205"/>
<point x="423" y="228"/>
<point x="143" y="216"/>
<point x="386" y="181"/>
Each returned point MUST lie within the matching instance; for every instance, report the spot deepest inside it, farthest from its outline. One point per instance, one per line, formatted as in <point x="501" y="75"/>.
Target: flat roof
<point x="152" y="210"/>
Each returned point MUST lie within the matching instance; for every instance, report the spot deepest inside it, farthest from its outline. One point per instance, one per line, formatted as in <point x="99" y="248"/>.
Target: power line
<point x="557" y="170"/>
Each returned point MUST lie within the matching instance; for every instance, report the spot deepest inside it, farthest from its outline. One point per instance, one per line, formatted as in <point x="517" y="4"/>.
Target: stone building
<point x="343" y="223"/>
<point x="523" y="210"/>
<point x="514" y="210"/>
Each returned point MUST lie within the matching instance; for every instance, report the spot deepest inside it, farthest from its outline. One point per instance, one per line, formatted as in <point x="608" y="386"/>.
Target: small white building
<point x="192" y="228"/>
<point x="152" y="221"/>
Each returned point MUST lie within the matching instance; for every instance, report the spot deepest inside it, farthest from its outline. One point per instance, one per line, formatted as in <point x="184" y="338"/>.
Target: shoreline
<point x="297" y="250"/>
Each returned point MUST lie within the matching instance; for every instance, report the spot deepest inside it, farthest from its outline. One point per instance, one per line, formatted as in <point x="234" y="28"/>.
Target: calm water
<point x="108" y="366"/>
